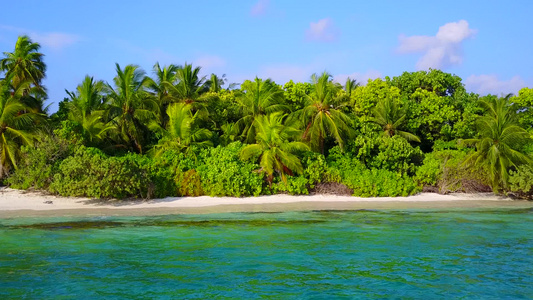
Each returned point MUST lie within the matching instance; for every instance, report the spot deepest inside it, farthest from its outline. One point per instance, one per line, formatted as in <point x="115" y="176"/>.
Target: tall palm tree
<point x="274" y="148"/>
<point x="500" y="146"/>
<point x="391" y="117"/>
<point x="87" y="109"/>
<point x="17" y="121"/>
<point x="190" y="85"/>
<point x="183" y="131"/>
<point x="24" y="67"/>
<point x="215" y="83"/>
<point x="132" y="108"/>
<point x="165" y="79"/>
<point x="24" y="64"/>
<point x="321" y="114"/>
<point x="258" y="97"/>
<point x="350" y="86"/>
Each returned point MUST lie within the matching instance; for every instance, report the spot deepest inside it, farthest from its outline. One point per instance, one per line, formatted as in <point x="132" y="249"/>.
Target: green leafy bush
<point x="395" y="154"/>
<point x="315" y="170"/>
<point x="445" y="170"/>
<point x="189" y="184"/>
<point x="294" y="185"/>
<point x="222" y="173"/>
<point x="521" y="181"/>
<point x="348" y="170"/>
<point x="40" y="163"/>
<point x="89" y="172"/>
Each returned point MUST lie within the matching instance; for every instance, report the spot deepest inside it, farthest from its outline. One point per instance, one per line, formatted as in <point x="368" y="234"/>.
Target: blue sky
<point x="487" y="43"/>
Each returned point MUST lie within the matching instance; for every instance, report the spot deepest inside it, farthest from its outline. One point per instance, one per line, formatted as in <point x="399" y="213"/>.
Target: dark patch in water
<point x="69" y="225"/>
<point x="160" y="223"/>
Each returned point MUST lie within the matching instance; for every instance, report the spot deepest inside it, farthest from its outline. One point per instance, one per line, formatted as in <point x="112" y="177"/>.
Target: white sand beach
<point x="15" y="203"/>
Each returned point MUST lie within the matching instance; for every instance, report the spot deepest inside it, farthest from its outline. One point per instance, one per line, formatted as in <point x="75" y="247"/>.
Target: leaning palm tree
<point x="321" y="114"/>
<point x="274" y="148"/>
<point x="25" y="64"/>
<point x="86" y="107"/>
<point x="258" y="97"/>
<point x="132" y="108"/>
<point x="183" y="131"/>
<point x="17" y="121"/>
<point x="391" y="117"/>
<point x="500" y="145"/>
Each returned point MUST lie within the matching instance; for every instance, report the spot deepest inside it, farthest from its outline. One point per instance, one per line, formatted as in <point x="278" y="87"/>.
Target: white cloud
<point x="360" y="77"/>
<point x="260" y="7"/>
<point x="323" y="31"/>
<point x="439" y="51"/>
<point x="53" y="40"/>
<point x="490" y="84"/>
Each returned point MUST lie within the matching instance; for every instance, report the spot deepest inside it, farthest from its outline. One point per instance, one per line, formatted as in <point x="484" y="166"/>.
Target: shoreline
<point x="18" y="203"/>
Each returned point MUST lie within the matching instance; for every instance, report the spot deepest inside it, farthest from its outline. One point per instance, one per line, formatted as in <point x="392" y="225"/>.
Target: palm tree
<point x="87" y="109"/>
<point x="321" y="114"/>
<point x="17" y="122"/>
<point x="190" y="85"/>
<point x="165" y="79"/>
<point x="215" y="83"/>
<point x="500" y="146"/>
<point x="391" y="117"/>
<point x="274" y="147"/>
<point x="132" y="109"/>
<point x="258" y="97"/>
<point x="183" y="131"/>
<point x="350" y="86"/>
<point x="24" y="64"/>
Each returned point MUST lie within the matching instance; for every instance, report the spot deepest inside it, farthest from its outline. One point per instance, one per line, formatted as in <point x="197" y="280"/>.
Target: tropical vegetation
<point x="178" y="132"/>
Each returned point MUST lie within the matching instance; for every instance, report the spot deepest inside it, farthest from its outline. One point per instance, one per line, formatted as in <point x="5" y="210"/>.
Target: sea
<point x="362" y="254"/>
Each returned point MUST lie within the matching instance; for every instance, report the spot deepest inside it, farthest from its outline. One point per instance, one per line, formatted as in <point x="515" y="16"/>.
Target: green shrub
<point x="222" y="173"/>
<point x="39" y="164"/>
<point x="445" y="170"/>
<point x="89" y="172"/>
<point x="430" y="171"/>
<point x="294" y="185"/>
<point x="315" y="170"/>
<point x="189" y="184"/>
<point x="395" y="153"/>
<point x="521" y="181"/>
<point x="350" y="171"/>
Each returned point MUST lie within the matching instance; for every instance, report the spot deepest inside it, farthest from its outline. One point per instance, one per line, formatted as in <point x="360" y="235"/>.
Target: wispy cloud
<point x="360" y="77"/>
<point x="322" y="31"/>
<point x="210" y="61"/>
<point x="55" y="40"/>
<point x="441" y="50"/>
<point x="260" y="7"/>
<point x="490" y="84"/>
<point x="285" y="72"/>
<point x="52" y="40"/>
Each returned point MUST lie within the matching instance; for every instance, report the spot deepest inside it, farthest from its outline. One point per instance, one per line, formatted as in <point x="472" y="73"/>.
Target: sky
<point x="488" y="43"/>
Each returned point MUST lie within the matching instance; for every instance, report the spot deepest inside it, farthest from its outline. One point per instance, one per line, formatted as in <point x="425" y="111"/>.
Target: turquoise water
<point x="292" y="255"/>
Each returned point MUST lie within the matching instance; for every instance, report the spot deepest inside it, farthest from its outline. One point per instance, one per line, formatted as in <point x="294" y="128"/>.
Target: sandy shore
<point x="15" y="203"/>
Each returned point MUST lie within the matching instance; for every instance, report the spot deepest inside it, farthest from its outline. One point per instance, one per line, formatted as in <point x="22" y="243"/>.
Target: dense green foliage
<point x="224" y="174"/>
<point x="178" y="133"/>
<point x="366" y="181"/>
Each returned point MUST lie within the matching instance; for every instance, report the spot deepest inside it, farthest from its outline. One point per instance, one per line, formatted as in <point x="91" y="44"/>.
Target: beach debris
<point x="48" y="202"/>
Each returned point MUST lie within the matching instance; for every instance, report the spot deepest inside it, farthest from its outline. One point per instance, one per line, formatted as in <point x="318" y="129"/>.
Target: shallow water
<point x="323" y="254"/>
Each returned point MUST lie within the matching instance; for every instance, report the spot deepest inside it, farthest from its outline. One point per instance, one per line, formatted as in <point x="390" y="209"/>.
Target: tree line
<point x="178" y="133"/>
